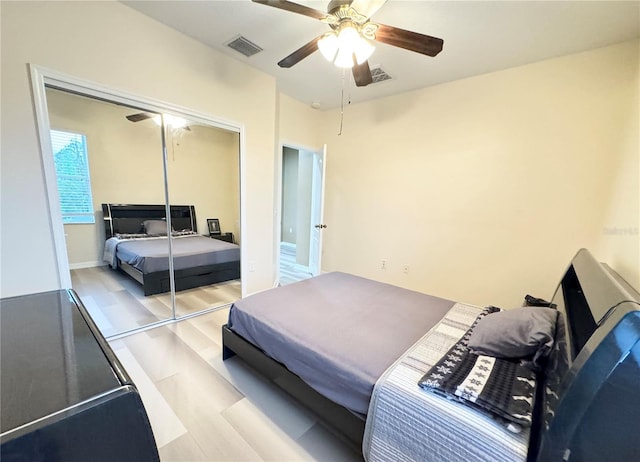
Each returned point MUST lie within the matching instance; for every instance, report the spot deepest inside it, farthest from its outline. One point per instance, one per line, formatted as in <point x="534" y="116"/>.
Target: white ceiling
<point x="479" y="37"/>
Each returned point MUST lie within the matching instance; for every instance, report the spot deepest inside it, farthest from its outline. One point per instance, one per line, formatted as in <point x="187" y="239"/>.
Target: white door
<point x="317" y="210"/>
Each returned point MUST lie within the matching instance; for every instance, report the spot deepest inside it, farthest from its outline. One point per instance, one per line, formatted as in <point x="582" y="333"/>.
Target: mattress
<point x="337" y="332"/>
<point x="150" y="255"/>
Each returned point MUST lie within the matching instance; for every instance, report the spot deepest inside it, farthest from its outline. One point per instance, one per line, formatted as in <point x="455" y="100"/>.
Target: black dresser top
<point x="50" y="358"/>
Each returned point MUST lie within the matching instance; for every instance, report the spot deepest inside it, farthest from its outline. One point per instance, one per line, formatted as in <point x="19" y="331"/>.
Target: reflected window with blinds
<point x="72" y="174"/>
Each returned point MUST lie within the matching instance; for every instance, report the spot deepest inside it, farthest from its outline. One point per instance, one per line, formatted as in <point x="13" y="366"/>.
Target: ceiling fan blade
<point x="367" y="7"/>
<point x="412" y="41"/>
<point x="139" y="116"/>
<point x="293" y="7"/>
<point x="300" y="53"/>
<point x="362" y="74"/>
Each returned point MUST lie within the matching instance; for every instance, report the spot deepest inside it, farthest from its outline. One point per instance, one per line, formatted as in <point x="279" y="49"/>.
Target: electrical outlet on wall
<point x="405" y="269"/>
<point x="383" y="264"/>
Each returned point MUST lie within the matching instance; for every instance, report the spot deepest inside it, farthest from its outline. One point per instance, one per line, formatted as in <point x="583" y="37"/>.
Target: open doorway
<point x="301" y="214"/>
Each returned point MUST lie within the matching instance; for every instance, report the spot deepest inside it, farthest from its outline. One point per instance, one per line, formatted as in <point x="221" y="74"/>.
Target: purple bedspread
<point x="336" y="331"/>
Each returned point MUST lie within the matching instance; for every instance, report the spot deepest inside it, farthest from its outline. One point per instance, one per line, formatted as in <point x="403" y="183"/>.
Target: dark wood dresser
<point x="64" y="394"/>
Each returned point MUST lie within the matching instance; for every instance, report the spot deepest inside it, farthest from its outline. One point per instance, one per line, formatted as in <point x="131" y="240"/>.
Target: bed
<point x="583" y="401"/>
<point x="136" y="243"/>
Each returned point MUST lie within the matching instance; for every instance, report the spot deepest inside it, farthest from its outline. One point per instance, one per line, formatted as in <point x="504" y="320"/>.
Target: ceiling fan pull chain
<point x="349" y="77"/>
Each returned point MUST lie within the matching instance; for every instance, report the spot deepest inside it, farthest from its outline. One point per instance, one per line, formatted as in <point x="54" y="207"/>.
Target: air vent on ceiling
<point x="379" y="75"/>
<point x="245" y="46"/>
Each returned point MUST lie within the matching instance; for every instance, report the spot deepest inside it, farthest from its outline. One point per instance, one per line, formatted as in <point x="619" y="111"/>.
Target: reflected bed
<point x="197" y="260"/>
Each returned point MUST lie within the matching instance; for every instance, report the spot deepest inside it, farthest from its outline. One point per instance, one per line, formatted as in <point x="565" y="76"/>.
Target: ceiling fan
<point x="348" y="43"/>
<point x="171" y="121"/>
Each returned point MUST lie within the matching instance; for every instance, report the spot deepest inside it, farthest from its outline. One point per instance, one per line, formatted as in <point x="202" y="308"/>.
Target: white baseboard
<point x="86" y="264"/>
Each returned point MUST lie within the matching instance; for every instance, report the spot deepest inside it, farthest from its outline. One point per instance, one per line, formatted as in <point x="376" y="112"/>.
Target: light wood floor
<point x="201" y="408"/>
<point x="204" y="409"/>
<point x="290" y="271"/>
<point x="117" y="303"/>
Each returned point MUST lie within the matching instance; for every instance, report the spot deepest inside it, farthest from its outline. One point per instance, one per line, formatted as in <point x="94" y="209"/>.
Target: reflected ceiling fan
<point x="348" y="43"/>
<point x="171" y="121"/>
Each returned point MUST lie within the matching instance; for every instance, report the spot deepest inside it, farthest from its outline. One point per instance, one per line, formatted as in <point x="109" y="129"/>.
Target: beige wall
<point x="203" y="171"/>
<point x="115" y="46"/>
<point x="487" y="186"/>
<point x="125" y="161"/>
<point x="620" y="238"/>
<point x="300" y="125"/>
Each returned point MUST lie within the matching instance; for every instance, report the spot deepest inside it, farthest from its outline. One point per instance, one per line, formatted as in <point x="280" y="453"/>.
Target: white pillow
<point x="156" y="227"/>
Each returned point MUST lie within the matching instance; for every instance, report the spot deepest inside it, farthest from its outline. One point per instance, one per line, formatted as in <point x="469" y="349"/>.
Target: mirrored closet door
<point x="203" y="172"/>
<point x="101" y="157"/>
<point x="150" y="206"/>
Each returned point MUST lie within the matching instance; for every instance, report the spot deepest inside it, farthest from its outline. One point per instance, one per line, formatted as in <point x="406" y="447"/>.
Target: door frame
<point x="321" y="150"/>
<point x="41" y="77"/>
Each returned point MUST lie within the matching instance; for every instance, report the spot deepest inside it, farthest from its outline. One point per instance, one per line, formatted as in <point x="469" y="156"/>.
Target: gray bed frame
<point x="595" y="372"/>
<point x="128" y="219"/>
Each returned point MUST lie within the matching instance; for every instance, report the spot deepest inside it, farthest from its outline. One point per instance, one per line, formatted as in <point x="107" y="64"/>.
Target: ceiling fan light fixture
<point x="328" y="46"/>
<point x="348" y="36"/>
<point x="364" y="50"/>
<point x="170" y="121"/>
<point x="349" y="44"/>
<point x="340" y="47"/>
<point x="344" y="58"/>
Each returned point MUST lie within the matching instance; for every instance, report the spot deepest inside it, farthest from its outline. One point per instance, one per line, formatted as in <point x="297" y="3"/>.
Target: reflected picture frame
<point x="214" y="226"/>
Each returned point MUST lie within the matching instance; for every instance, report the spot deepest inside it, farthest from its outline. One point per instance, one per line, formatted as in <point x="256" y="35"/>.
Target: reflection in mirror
<point x="203" y="174"/>
<point x="107" y="153"/>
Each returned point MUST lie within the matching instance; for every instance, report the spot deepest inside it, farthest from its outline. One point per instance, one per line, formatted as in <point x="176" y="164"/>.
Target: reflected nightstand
<point x="227" y="237"/>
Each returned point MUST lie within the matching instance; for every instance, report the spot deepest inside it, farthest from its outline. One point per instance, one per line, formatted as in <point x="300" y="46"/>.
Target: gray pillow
<point x="158" y="227"/>
<point x="526" y="332"/>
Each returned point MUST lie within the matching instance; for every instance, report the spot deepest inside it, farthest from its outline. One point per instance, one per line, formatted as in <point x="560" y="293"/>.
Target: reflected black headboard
<point x="128" y="218"/>
<point x="590" y="397"/>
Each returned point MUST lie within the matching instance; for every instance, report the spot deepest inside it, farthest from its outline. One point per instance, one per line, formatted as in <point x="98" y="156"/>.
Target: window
<point x="72" y="174"/>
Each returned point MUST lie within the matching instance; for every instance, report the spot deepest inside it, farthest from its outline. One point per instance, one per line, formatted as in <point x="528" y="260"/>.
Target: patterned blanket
<point x="407" y="423"/>
<point x="504" y="388"/>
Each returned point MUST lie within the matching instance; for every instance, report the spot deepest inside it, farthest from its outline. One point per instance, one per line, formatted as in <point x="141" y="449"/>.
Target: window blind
<point x="72" y="174"/>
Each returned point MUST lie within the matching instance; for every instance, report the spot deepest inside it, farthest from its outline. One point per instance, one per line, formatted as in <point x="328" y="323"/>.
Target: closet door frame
<point x="41" y="78"/>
